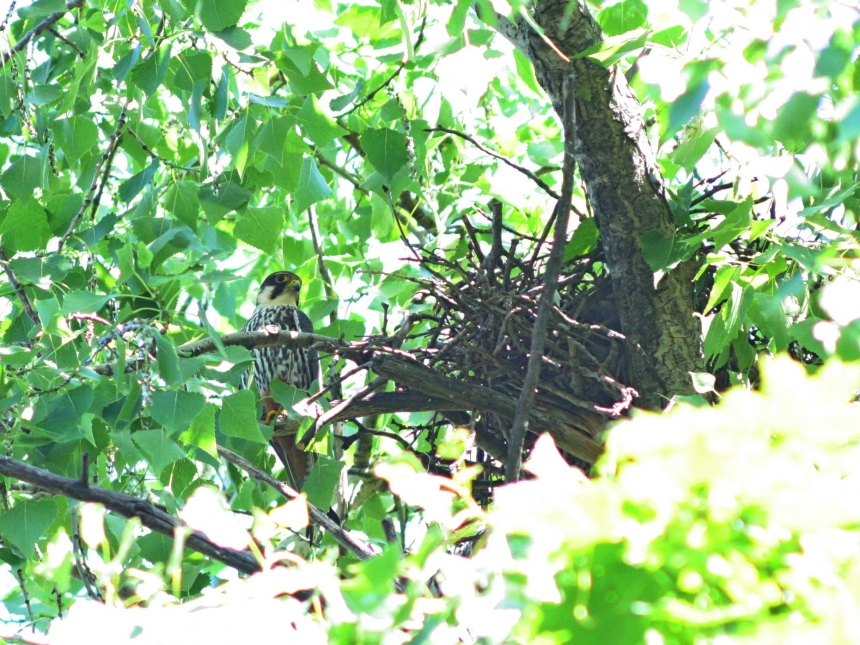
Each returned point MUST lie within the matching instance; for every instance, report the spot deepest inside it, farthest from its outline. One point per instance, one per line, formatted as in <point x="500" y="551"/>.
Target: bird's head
<point x="281" y="288"/>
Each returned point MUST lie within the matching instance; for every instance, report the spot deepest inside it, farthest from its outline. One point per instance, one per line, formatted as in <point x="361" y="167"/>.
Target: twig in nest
<point x="517" y="434"/>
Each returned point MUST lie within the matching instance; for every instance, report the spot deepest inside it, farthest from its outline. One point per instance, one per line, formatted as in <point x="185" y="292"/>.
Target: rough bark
<point x="572" y="431"/>
<point x="626" y="194"/>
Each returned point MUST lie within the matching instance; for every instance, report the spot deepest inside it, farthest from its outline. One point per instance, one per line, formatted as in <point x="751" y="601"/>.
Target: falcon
<point x="278" y="304"/>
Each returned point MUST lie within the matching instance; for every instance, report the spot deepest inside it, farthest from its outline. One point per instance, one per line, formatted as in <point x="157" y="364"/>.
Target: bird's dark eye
<point x="281" y="278"/>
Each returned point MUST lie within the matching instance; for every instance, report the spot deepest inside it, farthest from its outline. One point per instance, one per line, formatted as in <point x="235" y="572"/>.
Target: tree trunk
<point x="626" y="194"/>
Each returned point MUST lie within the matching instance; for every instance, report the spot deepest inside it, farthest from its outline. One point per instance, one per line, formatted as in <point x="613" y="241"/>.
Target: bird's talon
<point x="270" y="415"/>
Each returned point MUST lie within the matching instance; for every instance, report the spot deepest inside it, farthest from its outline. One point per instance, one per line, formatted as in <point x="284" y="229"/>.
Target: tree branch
<point x="247" y="339"/>
<point x="572" y="430"/>
<point x="151" y="517"/>
<point x="19" y="290"/>
<point x="556" y="257"/>
<point x="45" y="25"/>
<point x="102" y="171"/>
<point x="343" y="537"/>
<point x="521" y="169"/>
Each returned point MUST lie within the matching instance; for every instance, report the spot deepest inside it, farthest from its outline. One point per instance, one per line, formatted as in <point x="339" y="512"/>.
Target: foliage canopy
<point x="159" y="159"/>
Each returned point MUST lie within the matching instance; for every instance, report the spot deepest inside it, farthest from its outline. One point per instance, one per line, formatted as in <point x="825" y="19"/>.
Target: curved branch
<point x="343" y="537"/>
<point x="46" y="24"/>
<point x="150" y="516"/>
<point x="522" y="169"/>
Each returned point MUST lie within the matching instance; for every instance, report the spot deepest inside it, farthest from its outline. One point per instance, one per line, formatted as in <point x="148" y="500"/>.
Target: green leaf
<point x="238" y="417"/>
<point x="228" y="197"/>
<point x="84" y="302"/>
<point x="317" y="126"/>
<point x="664" y="252"/>
<point x="8" y="94"/>
<point x="168" y="363"/>
<point x="238" y="141"/>
<point x="322" y="481"/>
<point x="736" y="223"/>
<point x="261" y="228"/>
<point x="613" y="49"/>
<point x="22" y="177"/>
<point x="623" y="17"/>
<point x="130" y="188"/>
<point x="235" y="37"/>
<point x="181" y="201"/>
<point x="27" y="224"/>
<point x="175" y="410"/>
<point x="155" y="547"/>
<point x="286" y="395"/>
<point x="381" y="219"/>
<point x="584" y="240"/>
<point x="41" y="271"/>
<point x="457" y="21"/>
<point x="312" y="186"/>
<point x="26" y="522"/>
<point x="693" y="148"/>
<point x="386" y="150"/>
<point x="60" y="416"/>
<point x="78" y="135"/>
<point x="792" y="125"/>
<point x="526" y="72"/>
<point x="158" y="449"/>
<point x="312" y="81"/>
<point x="725" y="276"/>
<point x="149" y="73"/>
<point x="218" y="15"/>
<point x="193" y="67"/>
<point x="201" y="433"/>
<point x="272" y="138"/>
<point x="838" y="199"/>
<point x="342" y="101"/>
<point x="42" y="8"/>
<point x="43" y="94"/>
<point x="686" y="106"/>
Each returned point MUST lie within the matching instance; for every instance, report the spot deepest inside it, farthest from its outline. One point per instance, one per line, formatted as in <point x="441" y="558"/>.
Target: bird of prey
<point x="278" y="304"/>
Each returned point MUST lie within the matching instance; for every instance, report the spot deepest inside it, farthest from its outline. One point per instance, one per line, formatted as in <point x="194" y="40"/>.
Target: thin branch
<point x="522" y="169"/>
<point x="403" y="237"/>
<point x="325" y="274"/>
<point x="19" y="290"/>
<point x="340" y="408"/>
<point x="363" y="429"/>
<point x="495" y="255"/>
<point x="520" y="426"/>
<point x="45" y="25"/>
<point x="151" y="517"/>
<point x="249" y="340"/>
<point x="325" y="161"/>
<point x="68" y="42"/>
<point x="102" y="171"/>
<point x="343" y="537"/>
<point x="388" y="81"/>
<point x="711" y="192"/>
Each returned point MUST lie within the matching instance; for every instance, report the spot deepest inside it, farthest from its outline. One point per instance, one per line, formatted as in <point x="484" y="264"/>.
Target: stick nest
<point x="481" y="322"/>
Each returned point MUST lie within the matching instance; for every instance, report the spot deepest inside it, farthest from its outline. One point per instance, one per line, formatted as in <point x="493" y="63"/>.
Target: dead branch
<point x="520" y="426"/>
